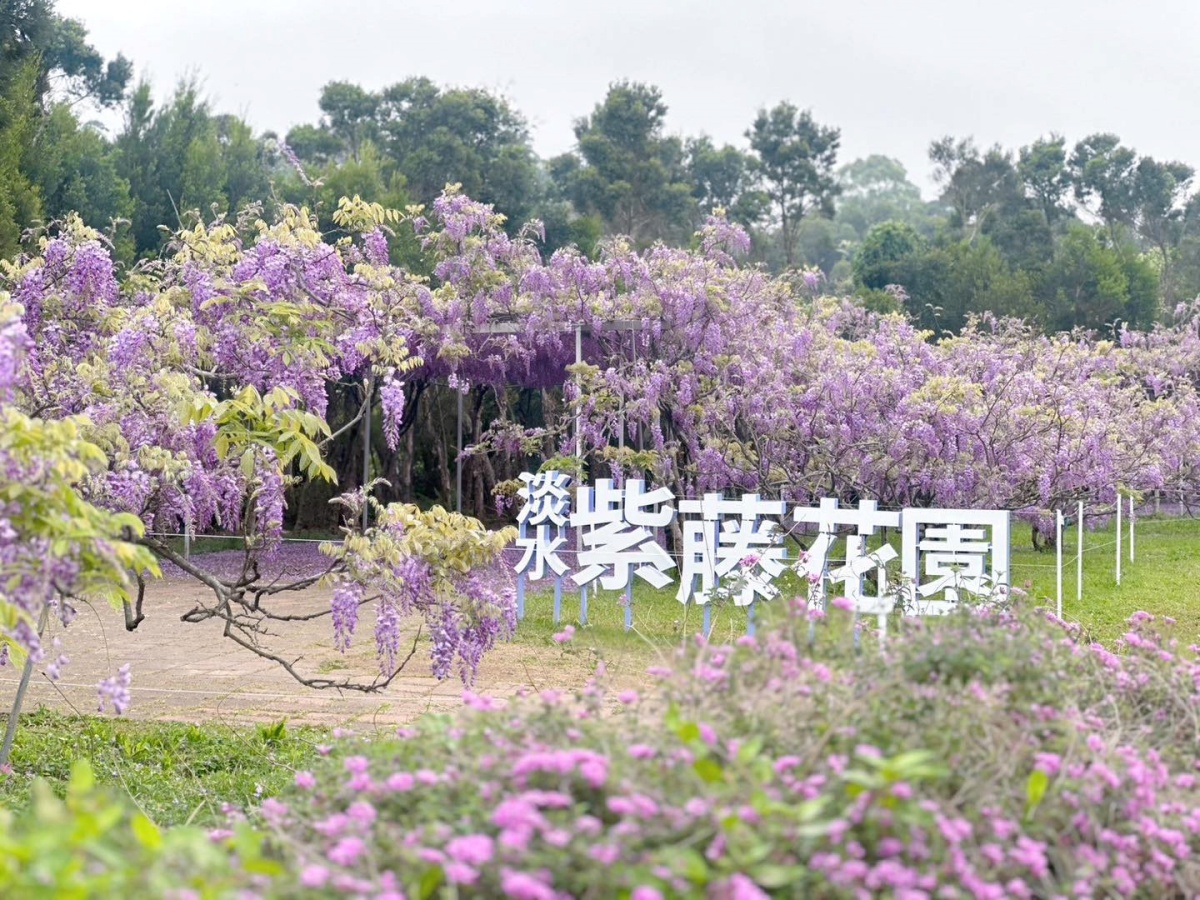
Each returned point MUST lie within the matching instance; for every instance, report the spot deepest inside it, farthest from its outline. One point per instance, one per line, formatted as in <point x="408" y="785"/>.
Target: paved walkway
<point x="190" y="672"/>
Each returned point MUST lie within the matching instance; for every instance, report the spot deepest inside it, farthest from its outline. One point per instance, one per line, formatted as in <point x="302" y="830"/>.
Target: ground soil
<point x="191" y="672"/>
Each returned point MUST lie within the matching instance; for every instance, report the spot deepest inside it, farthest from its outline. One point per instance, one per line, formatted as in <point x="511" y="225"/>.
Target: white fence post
<point x="1058" y="553"/>
<point x="1079" y="559"/>
<point x="1119" y="504"/>
<point x="1132" y="534"/>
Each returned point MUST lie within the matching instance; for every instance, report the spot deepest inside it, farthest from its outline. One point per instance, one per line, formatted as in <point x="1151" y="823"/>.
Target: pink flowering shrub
<point x="988" y="754"/>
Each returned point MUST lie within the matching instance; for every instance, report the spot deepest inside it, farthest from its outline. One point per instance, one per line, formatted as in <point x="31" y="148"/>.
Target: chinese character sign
<point x="738" y="544"/>
<point x="865" y="521"/>
<point x="732" y="539"/>
<point x="948" y="551"/>
<point x="545" y="513"/>
<point x="615" y="537"/>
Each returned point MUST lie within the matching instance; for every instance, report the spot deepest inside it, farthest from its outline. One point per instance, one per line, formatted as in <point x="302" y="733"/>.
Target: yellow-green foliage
<point x="47" y="506"/>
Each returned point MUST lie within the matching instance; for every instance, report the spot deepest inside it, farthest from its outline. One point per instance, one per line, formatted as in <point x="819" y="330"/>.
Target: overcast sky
<point x="892" y="74"/>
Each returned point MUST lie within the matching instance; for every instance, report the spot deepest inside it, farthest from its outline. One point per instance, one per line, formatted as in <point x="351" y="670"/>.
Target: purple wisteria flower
<point x="114" y="691"/>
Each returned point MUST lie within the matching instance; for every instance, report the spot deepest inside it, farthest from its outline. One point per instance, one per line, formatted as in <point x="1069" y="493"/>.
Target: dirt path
<point x="190" y="672"/>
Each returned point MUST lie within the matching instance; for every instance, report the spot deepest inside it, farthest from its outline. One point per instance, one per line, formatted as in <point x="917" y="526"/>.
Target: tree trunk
<point x="434" y="424"/>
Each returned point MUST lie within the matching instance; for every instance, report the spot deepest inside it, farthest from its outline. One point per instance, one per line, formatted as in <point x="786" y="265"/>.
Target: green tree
<point x="974" y="185"/>
<point x="825" y="244"/>
<point x="724" y="178"/>
<point x="794" y="157"/>
<point x="562" y="224"/>
<point x="171" y="159"/>
<point x="942" y="284"/>
<point x="67" y="65"/>
<point x="75" y="170"/>
<point x="1042" y="169"/>
<point x="372" y="177"/>
<point x="888" y="255"/>
<point x="627" y="171"/>
<point x="1160" y="200"/>
<point x="1102" y="175"/>
<point x="1088" y="285"/>
<point x="876" y="189"/>
<point x="349" y="114"/>
<point x="438" y="136"/>
<point x="180" y="160"/>
<point x="244" y="160"/>
<point x="19" y="205"/>
<point x="314" y="144"/>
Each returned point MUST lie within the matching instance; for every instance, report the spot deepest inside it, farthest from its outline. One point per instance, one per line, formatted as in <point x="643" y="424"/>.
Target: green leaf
<point x="773" y="877"/>
<point x="82" y="778"/>
<point x="430" y="882"/>
<point x="749" y="750"/>
<point x="709" y="770"/>
<point x="146" y="832"/>
<point x="1035" y="791"/>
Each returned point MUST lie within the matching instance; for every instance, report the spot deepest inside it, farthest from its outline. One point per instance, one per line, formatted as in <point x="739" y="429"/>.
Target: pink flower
<point x="274" y="811"/>
<point x="739" y="887"/>
<point x="347" y="851"/>
<point x="520" y="886"/>
<point x="843" y="603"/>
<point x="305" y="781"/>
<point x="460" y="873"/>
<point x="400" y="782"/>
<point x="565" y="635"/>
<point x="1050" y="763"/>
<point x="314" y="876"/>
<point x="642" y="892"/>
<point x="473" y="849"/>
<point x="628" y="697"/>
<point x="362" y="812"/>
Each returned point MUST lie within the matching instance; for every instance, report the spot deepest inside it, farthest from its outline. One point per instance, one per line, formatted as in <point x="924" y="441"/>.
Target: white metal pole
<point x="1119" y="504"/>
<point x="366" y="476"/>
<point x="621" y="429"/>
<point x="579" y="400"/>
<point x="1058" y="553"/>
<point x="458" y="458"/>
<point x="1132" y="535"/>
<point x="1079" y="558"/>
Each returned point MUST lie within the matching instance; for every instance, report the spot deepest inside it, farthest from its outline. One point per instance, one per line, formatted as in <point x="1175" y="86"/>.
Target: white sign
<point x="715" y="547"/>
<point x="547" y="506"/>
<point x="944" y="552"/>
<point x="615" y="539"/>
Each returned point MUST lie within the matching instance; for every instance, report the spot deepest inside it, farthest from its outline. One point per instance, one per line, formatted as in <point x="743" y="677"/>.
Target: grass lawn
<point x="174" y="772"/>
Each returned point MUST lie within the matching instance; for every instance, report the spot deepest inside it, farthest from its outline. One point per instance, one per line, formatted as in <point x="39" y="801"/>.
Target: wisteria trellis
<point x="945" y="552"/>
<point x="737" y="384"/>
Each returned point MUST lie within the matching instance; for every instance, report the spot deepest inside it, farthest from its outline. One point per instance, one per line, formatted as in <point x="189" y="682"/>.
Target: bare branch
<point x="362" y="411"/>
<point x="378" y="684"/>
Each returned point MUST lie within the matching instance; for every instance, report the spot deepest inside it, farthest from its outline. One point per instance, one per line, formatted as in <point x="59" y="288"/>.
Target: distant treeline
<point x="1089" y="234"/>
